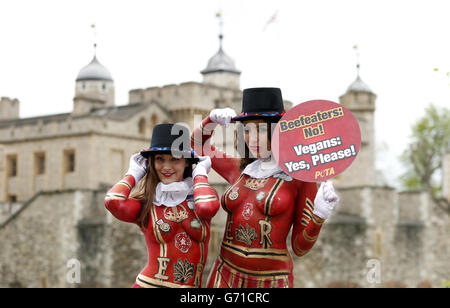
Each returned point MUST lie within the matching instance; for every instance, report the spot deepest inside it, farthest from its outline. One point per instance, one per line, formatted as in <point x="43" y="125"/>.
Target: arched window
<point x="153" y="121"/>
<point x="142" y="126"/>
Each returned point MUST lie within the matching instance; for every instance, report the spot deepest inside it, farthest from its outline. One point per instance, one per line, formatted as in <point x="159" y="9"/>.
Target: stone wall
<point x="406" y="234"/>
<point x="99" y="159"/>
<point x="446" y="177"/>
<point x="192" y="95"/>
<point x="370" y="224"/>
<point x="40" y="239"/>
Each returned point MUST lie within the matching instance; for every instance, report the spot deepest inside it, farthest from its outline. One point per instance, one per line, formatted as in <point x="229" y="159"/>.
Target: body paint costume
<point x="178" y="229"/>
<point x="261" y="211"/>
<point x="177" y="237"/>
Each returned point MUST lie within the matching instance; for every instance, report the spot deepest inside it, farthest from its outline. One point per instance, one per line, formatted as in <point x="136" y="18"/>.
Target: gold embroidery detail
<point x="172" y="213"/>
<point x="255" y="184"/>
<point x="266" y="229"/>
<point x="317" y="220"/>
<point x="125" y="184"/>
<point x="198" y="275"/>
<point x="309" y="238"/>
<point x="115" y="196"/>
<point x="247" y="235"/>
<point x="183" y="271"/>
<point x="310" y="204"/>
<point x="300" y="252"/>
<point x="205" y="198"/>
<point x="258" y="253"/>
<point x="162" y="268"/>
<point x="202" y="185"/>
<point x="147" y="282"/>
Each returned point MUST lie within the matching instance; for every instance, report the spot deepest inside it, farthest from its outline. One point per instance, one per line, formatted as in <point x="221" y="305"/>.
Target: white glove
<point x="222" y="116"/>
<point x="325" y="201"/>
<point x="203" y="166"/>
<point x="138" y="167"/>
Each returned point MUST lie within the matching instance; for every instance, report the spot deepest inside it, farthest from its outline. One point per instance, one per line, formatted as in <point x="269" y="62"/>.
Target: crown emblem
<point x="176" y="214"/>
<point x="255" y="184"/>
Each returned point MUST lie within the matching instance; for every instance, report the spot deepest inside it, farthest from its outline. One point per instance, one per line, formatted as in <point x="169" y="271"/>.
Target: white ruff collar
<point x="260" y="169"/>
<point x="174" y="194"/>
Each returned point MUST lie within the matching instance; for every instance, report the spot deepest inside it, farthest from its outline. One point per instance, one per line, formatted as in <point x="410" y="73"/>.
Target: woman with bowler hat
<point x="263" y="203"/>
<point x="173" y="207"/>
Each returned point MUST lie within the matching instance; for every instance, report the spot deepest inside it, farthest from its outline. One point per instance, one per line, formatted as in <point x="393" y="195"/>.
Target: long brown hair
<point x="240" y="144"/>
<point x="146" y="190"/>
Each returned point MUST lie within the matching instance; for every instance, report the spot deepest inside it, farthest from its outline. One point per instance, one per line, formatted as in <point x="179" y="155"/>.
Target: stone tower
<point x="221" y="70"/>
<point x="9" y="108"/>
<point x="94" y="88"/>
<point x="360" y="100"/>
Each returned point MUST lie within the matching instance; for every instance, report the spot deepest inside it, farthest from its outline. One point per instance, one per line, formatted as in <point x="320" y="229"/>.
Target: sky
<point x="307" y="51"/>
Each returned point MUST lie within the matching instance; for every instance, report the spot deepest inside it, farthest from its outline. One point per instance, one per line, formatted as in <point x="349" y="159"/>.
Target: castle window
<point x="83" y="86"/>
<point x="142" y="126"/>
<point x="104" y="86"/>
<point x="11" y="161"/>
<point x="153" y="121"/>
<point x="69" y="161"/>
<point x="39" y="163"/>
<point x="12" y="198"/>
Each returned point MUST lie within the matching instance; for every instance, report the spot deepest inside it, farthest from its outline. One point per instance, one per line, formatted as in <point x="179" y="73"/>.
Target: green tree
<point x="430" y="140"/>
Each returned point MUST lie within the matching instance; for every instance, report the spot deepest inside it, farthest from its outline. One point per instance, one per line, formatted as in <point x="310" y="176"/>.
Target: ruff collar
<point x="174" y="194"/>
<point x="261" y="169"/>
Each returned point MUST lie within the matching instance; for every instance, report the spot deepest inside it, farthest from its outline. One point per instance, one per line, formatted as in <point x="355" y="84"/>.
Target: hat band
<point x="264" y="114"/>
<point x="169" y="149"/>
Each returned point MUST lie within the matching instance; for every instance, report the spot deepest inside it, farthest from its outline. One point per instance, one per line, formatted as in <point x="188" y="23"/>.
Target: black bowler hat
<point x="171" y="139"/>
<point x="261" y="103"/>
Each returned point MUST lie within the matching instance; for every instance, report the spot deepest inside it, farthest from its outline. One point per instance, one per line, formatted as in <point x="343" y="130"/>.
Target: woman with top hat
<point x="173" y="208"/>
<point x="263" y="203"/>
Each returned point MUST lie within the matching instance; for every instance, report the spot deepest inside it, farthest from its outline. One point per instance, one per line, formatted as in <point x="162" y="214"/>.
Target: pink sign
<point x="316" y="140"/>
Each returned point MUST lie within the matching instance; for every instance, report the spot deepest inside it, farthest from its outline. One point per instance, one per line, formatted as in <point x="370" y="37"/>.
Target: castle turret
<point x="9" y="108"/>
<point x="360" y="100"/>
<point x="94" y="88"/>
<point x="221" y="70"/>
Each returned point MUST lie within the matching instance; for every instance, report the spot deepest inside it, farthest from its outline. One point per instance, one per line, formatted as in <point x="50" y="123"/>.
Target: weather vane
<point x="355" y="48"/>
<point x="94" y="30"/>
<point x="219" y="16"/>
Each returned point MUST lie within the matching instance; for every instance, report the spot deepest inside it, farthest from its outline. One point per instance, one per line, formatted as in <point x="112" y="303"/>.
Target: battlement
<point x="9" y="108"/>
<point x="188" y="95"/>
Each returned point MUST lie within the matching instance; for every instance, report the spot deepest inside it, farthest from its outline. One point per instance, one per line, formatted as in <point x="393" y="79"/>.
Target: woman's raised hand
<point x="203" y="167"/>
<point x="325" y="201"/>
<point x="222" y="116"/>
<point x="138" y="166"/>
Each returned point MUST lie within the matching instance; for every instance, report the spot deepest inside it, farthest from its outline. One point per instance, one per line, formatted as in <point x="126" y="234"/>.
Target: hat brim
<point x="189" y="155"/>
<point x="257" y="116"/>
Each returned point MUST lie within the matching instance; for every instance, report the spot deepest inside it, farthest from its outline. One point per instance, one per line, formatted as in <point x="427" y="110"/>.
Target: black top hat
<point x="261" y="103"/>
<point x="171" y="139"/>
